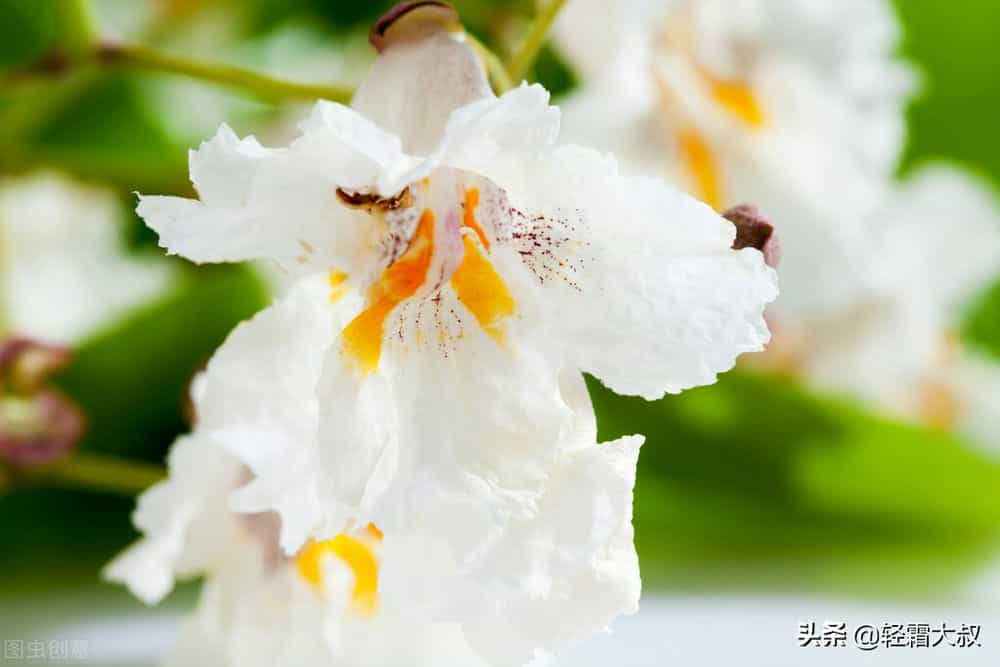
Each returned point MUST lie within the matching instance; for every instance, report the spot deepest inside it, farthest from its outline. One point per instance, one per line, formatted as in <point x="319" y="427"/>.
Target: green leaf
<point x="955" y="47"/>
<point x="106" y="131"/>
<point x="553" y="72"/>
<point x="982" y="326"/>
<point x="26" y="30"/>
<point x="754" y="484"/>
<point x="132" y="380"/>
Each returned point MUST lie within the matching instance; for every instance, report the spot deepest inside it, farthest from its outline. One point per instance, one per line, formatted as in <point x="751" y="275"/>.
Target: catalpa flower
<point x="472" y="267"/>
<point x="452" y="270"/>
<point x="358" y="595"/>
<point x="798" y="106"/>
<point x="776" y="102"/>
<point x="938" y="243"/>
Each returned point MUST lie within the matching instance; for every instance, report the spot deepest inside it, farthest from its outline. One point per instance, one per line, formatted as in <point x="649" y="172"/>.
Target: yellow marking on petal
<point x="469" y="217"/>
<point x="374" y="531"/>
<point x="357" y="554"/>
<point x="738" y="99"/>
<point x="703" y="167"/>
<point x="338" y="287"/>
<point x="481" y="289"/>
<point x="363" y="336"/>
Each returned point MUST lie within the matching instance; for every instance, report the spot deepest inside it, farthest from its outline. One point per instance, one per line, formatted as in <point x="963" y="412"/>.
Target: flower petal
<point x="246" y="190"/>
<point x="258" y="401"/>
<point x="652" y="299"/>
<point x="184" y="519"/>
<point x="552" y="578"/>
<point x="414" y="86"/>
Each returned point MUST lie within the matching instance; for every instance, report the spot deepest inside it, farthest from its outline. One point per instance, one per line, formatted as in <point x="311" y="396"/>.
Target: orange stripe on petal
<point x="481" y="289"/>
<point x="358" y="555"/>
<point x="703" y="167"/>
<point x="469" y="217"/>
<point x="338" y="288"/>
<point x="738" y="99"/>
<point x="363" y="336"/>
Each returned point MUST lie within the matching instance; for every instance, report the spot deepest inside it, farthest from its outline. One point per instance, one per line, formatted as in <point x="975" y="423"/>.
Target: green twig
<point x="76" y="26"/>
<point x="98" y="472"/>
<point x="261" y="85"/>
<point x="522" y="59"/>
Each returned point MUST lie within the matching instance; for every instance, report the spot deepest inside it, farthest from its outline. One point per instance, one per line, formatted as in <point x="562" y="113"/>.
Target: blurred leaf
<point x="752" y="483"/>
<point x="553" y="72"/>
<point x="106" y="131"/>
<point x="982" y="326"/>
<point x="26" y="30"/>
<point x="956" y="117"/>
<point x="132" y="380"/>
<point x="956" y="48"/>
<point x="54" y="538"/>
<point x="336" y="14"/>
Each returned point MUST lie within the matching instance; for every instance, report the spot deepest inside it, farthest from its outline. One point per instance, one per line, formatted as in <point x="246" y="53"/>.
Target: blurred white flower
<point x="938" y="242"/>
<point x="797" y="107"/>
<point x="64" y="272"/>
<point x="775" y="102"/>
<point x="450" y="299"/>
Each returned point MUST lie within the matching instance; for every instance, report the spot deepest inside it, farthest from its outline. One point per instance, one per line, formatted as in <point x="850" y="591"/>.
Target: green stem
<point x="494" y="66"/>
<point x="263" y="86"/>
<point x="524" y="56"/>
<point x="77" y="28"/>
<point x="98" y="472"/>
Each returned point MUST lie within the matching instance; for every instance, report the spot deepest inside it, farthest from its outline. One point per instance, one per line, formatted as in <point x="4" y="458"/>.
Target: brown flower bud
<point x="410" y="21"/>
<point x="753" y="230"/>
<point x="38" y="425"/>
<point x="25" y="365"/>
<point x="39" y="429"/>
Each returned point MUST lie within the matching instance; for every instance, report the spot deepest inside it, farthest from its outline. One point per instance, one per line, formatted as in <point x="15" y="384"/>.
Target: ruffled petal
<point x="184" y="519"/>
<point x="552" y="579"/>
<point x="258" y="400"/>
<point x="644" y="288"/>
<point x="449" y="438"/>
<point x="280" y="204"/>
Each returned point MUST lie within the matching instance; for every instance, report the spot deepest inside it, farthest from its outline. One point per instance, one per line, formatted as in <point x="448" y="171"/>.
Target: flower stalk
<point x="260" y="85"/>
<point x="522" y="59"/>
<point x="98" y="472"/>
<point x="77" y="27"/>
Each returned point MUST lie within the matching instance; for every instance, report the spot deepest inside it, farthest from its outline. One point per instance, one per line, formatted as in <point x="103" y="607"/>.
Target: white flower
<point x="362" y="597"/>
<point x="259" y="606"/>
<point x="472" y="268"/>
<point x="938" y="238"/>
<point x="453" y="270"/>
<point x="63" y="268"/>
<point x="778" y="103"/>
<point x="797" y="107"/>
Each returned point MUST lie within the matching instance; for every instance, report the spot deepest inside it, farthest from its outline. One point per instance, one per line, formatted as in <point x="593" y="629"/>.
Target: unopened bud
<point x="38" y="429"/>
<point x="411" y="21"/>
<point x="753" y="230"/>
<point x="25" y="365"/>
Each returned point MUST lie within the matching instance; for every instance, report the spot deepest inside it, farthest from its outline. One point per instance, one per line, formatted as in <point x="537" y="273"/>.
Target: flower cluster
<point x="781" y="102"/>
<point x="397" y="462"/>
